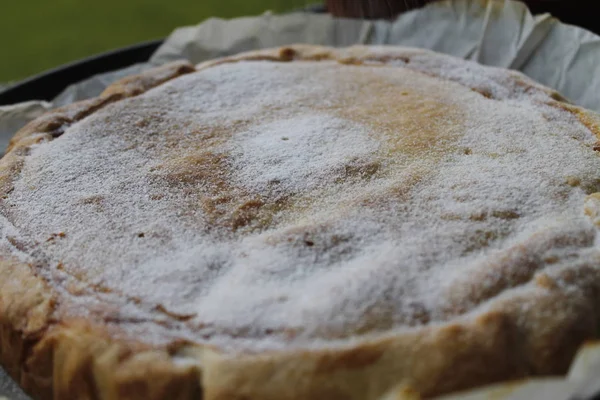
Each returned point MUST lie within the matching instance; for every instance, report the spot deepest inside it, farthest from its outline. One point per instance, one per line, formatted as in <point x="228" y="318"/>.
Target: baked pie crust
<point x="300" y="223"/>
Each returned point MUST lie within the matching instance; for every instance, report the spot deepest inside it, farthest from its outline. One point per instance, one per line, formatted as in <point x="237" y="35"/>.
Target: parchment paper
<point x="492" y="32"/>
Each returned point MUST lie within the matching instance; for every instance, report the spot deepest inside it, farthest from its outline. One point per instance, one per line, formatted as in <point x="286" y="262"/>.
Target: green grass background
<point x="36" y="35"/>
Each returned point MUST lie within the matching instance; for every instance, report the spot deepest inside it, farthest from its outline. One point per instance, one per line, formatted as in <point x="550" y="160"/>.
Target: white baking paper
<point x="13" y="117"/>
<point x="492" y="32"/>
<point x="9" y="389"/>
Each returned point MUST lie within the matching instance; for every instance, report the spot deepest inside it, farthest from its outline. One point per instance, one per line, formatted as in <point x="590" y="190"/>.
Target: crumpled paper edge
<point x="15" y="116"/>
<point x="491" y="32"/>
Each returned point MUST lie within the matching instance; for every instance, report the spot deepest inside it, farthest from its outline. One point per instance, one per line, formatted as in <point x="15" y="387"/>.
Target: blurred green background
<point x="39" y="34"/>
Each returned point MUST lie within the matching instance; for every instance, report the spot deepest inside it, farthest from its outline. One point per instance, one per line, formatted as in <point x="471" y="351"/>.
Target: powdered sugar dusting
<point x="312" y="150"/>
<point x="261" y="205"/>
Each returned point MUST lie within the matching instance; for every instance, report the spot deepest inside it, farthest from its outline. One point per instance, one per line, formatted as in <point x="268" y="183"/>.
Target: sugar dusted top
<point x="260" y="205"/>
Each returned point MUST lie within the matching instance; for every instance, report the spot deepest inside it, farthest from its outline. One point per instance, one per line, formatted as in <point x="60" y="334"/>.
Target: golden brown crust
<point x="88" y="364"/>
<point x="434" y="360"/>
<point x="55" y="357"/>
<point x="26" y="304"/>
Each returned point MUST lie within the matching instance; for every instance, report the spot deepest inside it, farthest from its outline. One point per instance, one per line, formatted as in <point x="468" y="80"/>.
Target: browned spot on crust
<point x="351" y="359"/>
<point x="484" y="92"/>
<point x="179" y="317"/>
<point x="480" y="216"/>
<point x="287" y="54"/>
<point x="385" y="59"/>
<point x="55" y="236"/>
<point x="203" y="168"/>
<point x="591" y="122"/>
<point x="480" y="239"/>
<point x="505" y="214"/>
<point x="350" y="61"/>
<point x="558" y="97"/>
<point x="545" y="281"/>
<point x="587" y="118"/>
<point x="590" y="185"/>
<point x="246" y="213"/>
<point x="362" y="170"/>
<point x="573" y="181"/>
<point x="15" y="242"/>
<point x="551" y="259"/>
<point x="96" y="200"/>
<point x="408" y="393"/>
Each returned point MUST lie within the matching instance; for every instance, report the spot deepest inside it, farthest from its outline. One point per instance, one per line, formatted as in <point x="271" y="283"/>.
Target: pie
<point x="300" y="223"/>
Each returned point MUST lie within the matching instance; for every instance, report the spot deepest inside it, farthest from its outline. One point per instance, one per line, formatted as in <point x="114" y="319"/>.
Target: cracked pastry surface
<point x="333" y="222"/>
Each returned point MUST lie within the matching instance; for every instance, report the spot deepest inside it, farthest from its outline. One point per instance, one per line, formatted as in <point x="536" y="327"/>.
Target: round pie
<point x="300" y="223"/>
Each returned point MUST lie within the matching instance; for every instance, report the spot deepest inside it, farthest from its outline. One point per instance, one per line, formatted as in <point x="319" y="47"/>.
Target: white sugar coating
<point x="312" y="151"/>
<point x="277" y="204"/>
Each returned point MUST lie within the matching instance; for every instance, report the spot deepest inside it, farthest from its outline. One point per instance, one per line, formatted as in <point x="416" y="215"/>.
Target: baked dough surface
<point x="300" y="223"/>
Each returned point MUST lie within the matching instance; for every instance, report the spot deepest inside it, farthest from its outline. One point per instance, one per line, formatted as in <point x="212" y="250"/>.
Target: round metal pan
<point x="49" y="84"/>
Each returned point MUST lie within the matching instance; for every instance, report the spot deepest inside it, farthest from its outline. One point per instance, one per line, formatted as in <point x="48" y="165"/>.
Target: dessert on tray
<point x="300" y="223"/>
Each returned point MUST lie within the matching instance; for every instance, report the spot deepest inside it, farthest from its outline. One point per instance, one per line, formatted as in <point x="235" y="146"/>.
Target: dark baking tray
<point x="49" y="84"/>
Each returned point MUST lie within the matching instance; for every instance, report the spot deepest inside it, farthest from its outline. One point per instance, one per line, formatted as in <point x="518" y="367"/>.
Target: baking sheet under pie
<point x="491" y="32"/>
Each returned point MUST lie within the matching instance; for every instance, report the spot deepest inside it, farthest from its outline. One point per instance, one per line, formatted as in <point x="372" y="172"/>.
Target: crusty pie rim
<point x="78" y="358"/>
